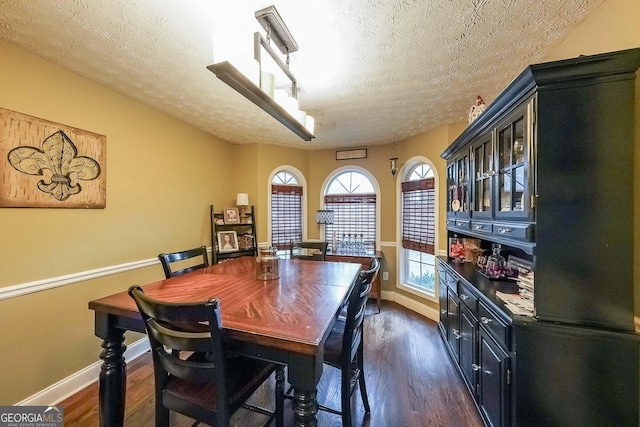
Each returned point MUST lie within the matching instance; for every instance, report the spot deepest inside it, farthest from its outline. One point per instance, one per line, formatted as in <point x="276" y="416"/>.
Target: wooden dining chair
<point x="344" y="348"/>
<point x="320" y="247"/>
<point x="190" y="254"/>
<point x="211" y="384"/>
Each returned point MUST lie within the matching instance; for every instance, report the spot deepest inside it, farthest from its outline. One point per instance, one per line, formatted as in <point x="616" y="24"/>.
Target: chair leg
<point x="162" y="414"/>
<point x="361" y="381"/>
<point x="345" y="395"/>
<point x="280" y="396"/>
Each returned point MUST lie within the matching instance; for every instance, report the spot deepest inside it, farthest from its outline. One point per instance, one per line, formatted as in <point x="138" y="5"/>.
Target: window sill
<point x="419" y="292"/>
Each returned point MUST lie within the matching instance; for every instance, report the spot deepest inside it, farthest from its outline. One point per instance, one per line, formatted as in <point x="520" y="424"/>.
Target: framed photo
<point x="227" y="241"/>
<point x="231" y="216"/>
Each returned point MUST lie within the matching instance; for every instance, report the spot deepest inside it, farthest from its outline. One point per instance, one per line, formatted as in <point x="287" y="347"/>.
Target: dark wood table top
<point x="294" y="312"/>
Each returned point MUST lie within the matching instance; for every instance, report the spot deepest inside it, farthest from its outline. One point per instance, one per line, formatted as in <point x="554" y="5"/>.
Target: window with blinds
<point x="286" y="215"/>
<point x="418" y="215"/>
<point x="354" y="220"/>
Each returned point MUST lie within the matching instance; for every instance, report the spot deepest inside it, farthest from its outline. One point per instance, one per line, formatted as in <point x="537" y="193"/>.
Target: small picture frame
<point x="524" y="266"/>
<point x="360" y="153"/>
<point x="227" y="241"/>
<point x="231" y="216"/>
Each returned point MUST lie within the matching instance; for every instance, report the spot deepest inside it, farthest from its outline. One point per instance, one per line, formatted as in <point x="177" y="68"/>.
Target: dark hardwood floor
<point x="410" y="380"/>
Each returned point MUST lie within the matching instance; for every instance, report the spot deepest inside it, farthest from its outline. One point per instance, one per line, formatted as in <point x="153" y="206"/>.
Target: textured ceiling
<point x="372" y="70"/>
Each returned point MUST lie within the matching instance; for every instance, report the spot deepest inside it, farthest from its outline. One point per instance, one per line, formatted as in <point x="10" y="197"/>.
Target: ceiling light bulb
<point x="280" y="95"/>
<point x="291" y="105"/>
<point x="310" y="123"/>
<point x="266" y="83"/>
<point x="302" y="117"/>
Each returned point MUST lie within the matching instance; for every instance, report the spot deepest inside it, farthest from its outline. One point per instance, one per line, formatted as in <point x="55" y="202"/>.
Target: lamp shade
<point x="242" y="199"/>
<point x="324" y="216"/>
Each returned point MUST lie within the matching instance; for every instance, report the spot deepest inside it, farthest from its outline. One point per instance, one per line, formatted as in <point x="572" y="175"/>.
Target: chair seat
<point x="333" y="345"/>
<point x="244" y="375"/>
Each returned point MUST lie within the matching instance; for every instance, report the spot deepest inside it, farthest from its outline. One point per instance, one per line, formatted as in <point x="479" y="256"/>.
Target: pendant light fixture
<point x="281" y="104"/>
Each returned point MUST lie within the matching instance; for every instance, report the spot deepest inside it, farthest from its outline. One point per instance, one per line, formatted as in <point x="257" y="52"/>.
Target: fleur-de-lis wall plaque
<point x="58" y="162"/>
<point x="46" y="164"/>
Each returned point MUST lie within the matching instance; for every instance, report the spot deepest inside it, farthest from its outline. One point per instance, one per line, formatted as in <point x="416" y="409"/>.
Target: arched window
<point x="286" y="209"/>
<point x="417" y="255"/>
<point x="351" y="196"/>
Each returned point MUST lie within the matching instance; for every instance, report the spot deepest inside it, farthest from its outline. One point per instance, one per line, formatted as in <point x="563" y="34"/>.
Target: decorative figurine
<point x="476" y="109"/>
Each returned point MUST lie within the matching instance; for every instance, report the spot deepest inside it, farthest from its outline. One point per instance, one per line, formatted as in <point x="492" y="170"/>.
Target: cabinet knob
<point x="504" y="230"/>
<point x="492" y="173"/>
<point x="475" y="367"/>
<point x="456" y="333"/>
<point x="485" y="320"/>
<point x="463" y="297"/>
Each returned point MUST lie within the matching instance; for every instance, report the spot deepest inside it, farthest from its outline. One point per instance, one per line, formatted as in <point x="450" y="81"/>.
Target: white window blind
<point x="286" y="215"/>
<point x="354" y="218"/>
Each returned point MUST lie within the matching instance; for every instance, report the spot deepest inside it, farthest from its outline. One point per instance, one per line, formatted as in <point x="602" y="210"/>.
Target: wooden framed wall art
<point x="49" y="165"/>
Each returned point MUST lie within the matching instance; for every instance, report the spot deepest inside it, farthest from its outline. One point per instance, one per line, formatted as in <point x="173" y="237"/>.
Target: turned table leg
<point x="305" y="408"/>
<point x="113" y="372"/>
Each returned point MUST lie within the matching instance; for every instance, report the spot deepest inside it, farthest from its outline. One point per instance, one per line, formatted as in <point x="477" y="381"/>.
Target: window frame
<point x="302" y="182"/>
<point x="402" y="256"/>
<point x="376" y="188"/>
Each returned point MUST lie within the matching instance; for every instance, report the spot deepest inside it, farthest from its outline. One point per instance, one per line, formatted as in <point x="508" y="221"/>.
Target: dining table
<point x="285" y="320"/>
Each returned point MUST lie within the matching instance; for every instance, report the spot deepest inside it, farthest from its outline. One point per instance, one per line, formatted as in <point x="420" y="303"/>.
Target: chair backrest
<point x="193" y="327"/>
<point x="167" y="259"/>
<point x="356" y="308"/>
<point x="318" y="246"/>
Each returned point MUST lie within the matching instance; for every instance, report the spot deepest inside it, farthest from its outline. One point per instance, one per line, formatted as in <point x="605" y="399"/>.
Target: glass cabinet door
<point x="461" y="204"/>
<point x="458" y="185"/>
<point x="451" y="188"/>
<point x="483" y="172"/>
<point x="513" y="145"/>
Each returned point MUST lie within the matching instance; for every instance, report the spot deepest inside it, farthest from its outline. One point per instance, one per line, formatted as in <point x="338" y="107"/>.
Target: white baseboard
<point x="411" y="304"/>
<point x="66" y="387"/>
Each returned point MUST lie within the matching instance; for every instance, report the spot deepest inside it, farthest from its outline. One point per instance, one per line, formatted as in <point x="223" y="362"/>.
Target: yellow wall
<point x="613" y="26"/>
<point x="161" y="178"/>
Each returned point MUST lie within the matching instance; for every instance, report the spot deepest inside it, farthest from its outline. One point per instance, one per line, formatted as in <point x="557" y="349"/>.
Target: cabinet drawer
<point x="451" y="282"/>
<point x="463" y="224"/>
<point x="447" y="278"/>
<point x="481" y="227"/>
<point x="468" y="298"/>
<point x="497" y="327"/>
<point x="516" y="231"/>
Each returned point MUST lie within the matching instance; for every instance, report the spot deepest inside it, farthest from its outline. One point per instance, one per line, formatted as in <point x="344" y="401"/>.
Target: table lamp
<point x="242" y="201"/>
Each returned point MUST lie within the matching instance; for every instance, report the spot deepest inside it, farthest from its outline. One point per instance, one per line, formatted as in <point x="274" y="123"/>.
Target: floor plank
<point x="410" y="380"/>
